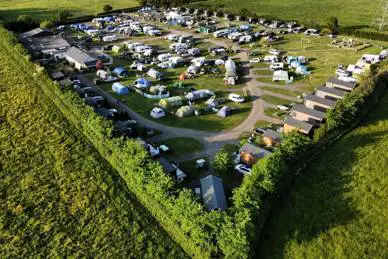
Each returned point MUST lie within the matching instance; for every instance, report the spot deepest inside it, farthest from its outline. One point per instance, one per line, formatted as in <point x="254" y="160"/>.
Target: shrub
<point x="107" y="8"/>
<point x="223" y="162"/>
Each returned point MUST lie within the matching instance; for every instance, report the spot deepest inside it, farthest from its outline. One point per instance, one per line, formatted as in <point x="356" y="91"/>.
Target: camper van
<point x="109" y="38"/>
<point x="164" y="57"/>
<point x="221" y="33"/>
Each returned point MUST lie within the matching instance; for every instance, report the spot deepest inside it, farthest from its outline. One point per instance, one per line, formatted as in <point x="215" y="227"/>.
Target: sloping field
<point x="338" y="208"/>
<point x="58" y="197"/>
<point x="43" y="9"/>
<point x="356" y="12"/>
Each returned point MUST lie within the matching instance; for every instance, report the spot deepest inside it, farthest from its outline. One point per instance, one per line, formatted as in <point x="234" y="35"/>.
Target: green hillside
<point x="58" y="197"/>
<point x="11" y="9"/>
<point x="338" y="209"/>
<point x="356" y="12"/>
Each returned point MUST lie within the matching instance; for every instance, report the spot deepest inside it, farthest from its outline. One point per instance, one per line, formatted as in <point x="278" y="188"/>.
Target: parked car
<point x="241" y="168"/>
<point x="157" y="113"/>
<point x="259" y="130"/>
<point x="236" y="98"/>
<point x="255" y="60"/>
<point x="283" y="107"/>
<point x="275" y="52"/>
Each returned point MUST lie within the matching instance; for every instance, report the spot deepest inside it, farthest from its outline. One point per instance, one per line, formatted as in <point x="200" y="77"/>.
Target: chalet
<point x="213" y="194"/>
<point x="80" y="59"/>
<point x="250" y="154"/>
<point x="271" y="138"/>
<point x="330" y="93"/>
<point x="302" y="113"/>
<point x="291" y="124"/>
<point x="339" y="84"/>
<point x="318" y="103"/>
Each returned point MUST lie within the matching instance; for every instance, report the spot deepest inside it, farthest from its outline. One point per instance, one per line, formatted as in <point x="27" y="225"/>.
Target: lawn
<point x="359" y="12"/>
<point x="43" y="9"/>
<point x="275" y="100"/>
<point x="263" y="72"/>
<point x="281" y="91"/>
<point x="59" y="197"/>
<point x="181" y="146"/>
<point x="338" y="207"/>
<point x="275" y="113"/>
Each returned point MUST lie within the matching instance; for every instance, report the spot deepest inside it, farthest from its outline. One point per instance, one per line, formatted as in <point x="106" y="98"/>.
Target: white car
<point x="236" y="98"/>
<point x="255" y="60"/>
<point x="274" y="52"/>
<point x="243" y="169"/>
<point x="157" y="113"/>
<point x="283" y="108"/>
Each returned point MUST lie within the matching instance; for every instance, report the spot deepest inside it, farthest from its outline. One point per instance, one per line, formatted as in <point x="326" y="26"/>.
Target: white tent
<point x="280" y="75"/>
<point x="230" y="67"/>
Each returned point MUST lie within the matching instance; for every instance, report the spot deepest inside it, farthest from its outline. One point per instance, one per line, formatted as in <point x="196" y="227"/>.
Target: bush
<point x="223" y="162"/>
<point x="46" y="25"/>
<point x="107" y="8"/>
<point x="64" y="15"/>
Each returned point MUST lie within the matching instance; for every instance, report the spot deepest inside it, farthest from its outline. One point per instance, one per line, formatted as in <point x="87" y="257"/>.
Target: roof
<point x="269" y="133"/>
<point x="301" y="125"/>
<point x="332" y="91"/>
<point x="57" y="75"/>
<point x="167" y="166"/>
<point x="320" y="100"/>
<point x="213" y="194"/>
<point x="34" y="33"/>
<point x="313" y="113"/>
<point x="79" y="55"/>
<point x="254" y="150"/>
<point x="336" y="81"/>
<point x="55" y="42"/>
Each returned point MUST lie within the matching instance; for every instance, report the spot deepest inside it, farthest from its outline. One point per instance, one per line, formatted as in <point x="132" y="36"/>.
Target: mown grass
<point x="59" y="198"/>
<point x="181" y="146"/>
<point x="43" y="9"/>
<point x="338" y="207"/>
<point x="281" y="91"/>
<point x="272" y="112"/>
<point x="275" y="100"/>
<point x="356" y="12"/>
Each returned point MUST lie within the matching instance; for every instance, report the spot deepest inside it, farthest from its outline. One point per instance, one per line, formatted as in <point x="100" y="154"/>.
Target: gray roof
<point x="167" y="166"/>
<point x="272" y="135"/>
<point x="213" y="194"/>
<point x="302" y="125"/>
<point x="79" y="55"/>
<point x="34" y="33"/>
<point x="333" y="91"/>
<point x="254" y="150"/>
<point x="311" y="112"/>
<point x="336" y="81"/>
<point x="45" y="43"/>
<point x="323" y="101"/>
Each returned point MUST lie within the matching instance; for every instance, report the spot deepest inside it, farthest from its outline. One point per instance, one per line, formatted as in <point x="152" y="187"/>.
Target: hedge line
<point x="372" y="35"/>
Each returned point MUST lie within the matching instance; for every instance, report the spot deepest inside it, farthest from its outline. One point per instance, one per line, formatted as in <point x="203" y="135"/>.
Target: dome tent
<point x="120" y="88"/>
<point x="185" y="111"/>
<point x="171" y="102"/>
<point x="224" y="112"/>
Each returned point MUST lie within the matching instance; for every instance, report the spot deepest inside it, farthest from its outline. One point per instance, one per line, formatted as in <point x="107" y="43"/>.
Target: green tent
<point x="171" y="102"/>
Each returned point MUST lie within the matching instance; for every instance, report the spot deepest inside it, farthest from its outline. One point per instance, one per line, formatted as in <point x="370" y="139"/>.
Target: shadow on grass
<point x="315" y="202"/>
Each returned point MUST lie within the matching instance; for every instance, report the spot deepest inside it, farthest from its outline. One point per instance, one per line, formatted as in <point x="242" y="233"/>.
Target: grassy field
<point x="43" y="9"/>
<point x="338" y="208"/>
<point x="348" y="12"/>
<point x="59" y="198"/>
<point x="181" y="146"/>
<point x="275" y="100"/>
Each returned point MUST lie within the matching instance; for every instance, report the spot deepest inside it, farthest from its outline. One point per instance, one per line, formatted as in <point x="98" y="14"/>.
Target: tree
<point x="63" y="15"/>
<point x="107" y="8"/>
<point x="46" y="24"/>
<point x="223" y="162"/>
<point x="332" y="24"/>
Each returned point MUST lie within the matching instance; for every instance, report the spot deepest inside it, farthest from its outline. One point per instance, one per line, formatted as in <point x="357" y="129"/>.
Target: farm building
<point x="171" y="102"/>
<point x="330" y="93"/>
<point x="318" y="103"/>
<point x="80" y="59"/>
<point x="120" y="72"/>
<point x="37" y="32"/>
<point x="120" y="88"/>
<point x="339" y="84"/>
<point x="185" y="111"/>
<point x="250" y="154"/>
<point x="47" y="45"/>
<point x="213" y="193"/>
<point x="271" y="138"/>
<point x="302" y="113"/>
<point x="224" y="112"/>
<point x="291" y="124"/>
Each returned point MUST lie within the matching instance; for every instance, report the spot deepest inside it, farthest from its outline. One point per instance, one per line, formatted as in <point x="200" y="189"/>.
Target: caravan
<point x="109" y="38"/>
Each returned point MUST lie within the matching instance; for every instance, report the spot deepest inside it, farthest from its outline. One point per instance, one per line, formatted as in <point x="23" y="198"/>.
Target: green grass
<point x="181" y="146"/>
<point x="274" y="113"/>
<point x="359" y="12"/>
<point x="338" y="208"/>
<point x="281" y="91"/>
<point x="275" y="100"/>
<point x="59" y="197"/>
<point x="262" y="124"/>
<point x="43" y="9"/>
<point x="263" y="72"/>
